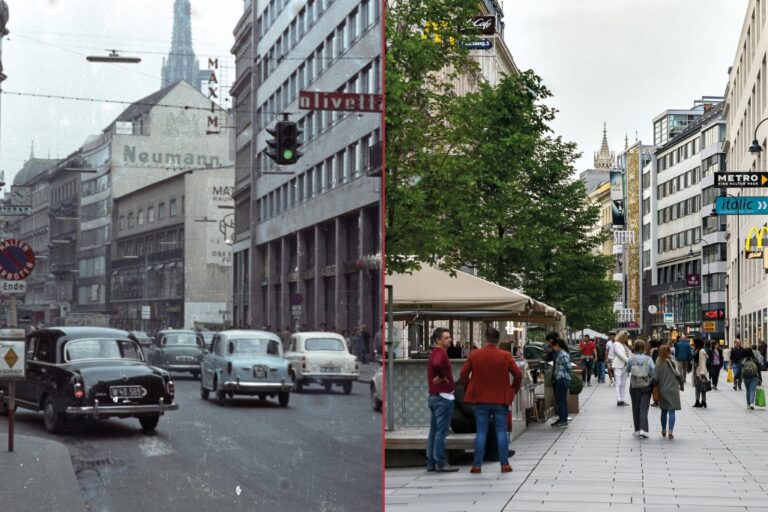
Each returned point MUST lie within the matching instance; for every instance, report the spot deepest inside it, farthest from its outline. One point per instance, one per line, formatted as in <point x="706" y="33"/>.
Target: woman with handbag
<point x="640" y="369"/>
<point x="670" y="382"/>
<point x="701" y="380"/>
<point x="715" y="363"/>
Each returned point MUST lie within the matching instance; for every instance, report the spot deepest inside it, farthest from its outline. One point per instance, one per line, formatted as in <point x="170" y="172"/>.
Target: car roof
<point x="175" y="331"/>
<point x="75" y="332"/>
<point x="318" y="334"/>
<point x="233" y="333"/>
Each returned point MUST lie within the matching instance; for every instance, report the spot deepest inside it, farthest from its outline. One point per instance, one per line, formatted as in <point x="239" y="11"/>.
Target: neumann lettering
<point x="161" y="159"/>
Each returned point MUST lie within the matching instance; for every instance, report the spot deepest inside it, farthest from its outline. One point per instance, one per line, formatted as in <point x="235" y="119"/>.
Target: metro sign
<point x="741" y="179"/>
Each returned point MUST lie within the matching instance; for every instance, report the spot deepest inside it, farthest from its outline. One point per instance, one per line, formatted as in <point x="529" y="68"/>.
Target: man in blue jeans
<point x="441" y="389"/>
<point x="486" y="377"/>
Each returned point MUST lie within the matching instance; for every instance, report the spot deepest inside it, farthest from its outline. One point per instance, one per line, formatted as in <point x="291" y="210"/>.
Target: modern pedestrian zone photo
<point x="576" y="255"/>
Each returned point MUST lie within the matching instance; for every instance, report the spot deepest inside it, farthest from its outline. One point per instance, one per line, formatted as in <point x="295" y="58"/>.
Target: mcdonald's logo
<point x="758" y="233"/>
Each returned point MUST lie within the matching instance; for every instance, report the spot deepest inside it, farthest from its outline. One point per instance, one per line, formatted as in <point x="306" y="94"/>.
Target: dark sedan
<point x="82" y="372"/>
<point x="177" y="350"/>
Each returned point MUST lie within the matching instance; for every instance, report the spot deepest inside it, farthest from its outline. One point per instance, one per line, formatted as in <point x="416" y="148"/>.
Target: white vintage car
<point x="323" y="358"/>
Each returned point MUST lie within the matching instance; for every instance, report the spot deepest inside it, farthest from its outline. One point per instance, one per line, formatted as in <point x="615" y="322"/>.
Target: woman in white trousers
<point x="620" y="357"/>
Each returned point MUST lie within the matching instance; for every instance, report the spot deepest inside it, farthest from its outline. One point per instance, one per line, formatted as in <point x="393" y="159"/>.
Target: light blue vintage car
<point x="246" y="363"/>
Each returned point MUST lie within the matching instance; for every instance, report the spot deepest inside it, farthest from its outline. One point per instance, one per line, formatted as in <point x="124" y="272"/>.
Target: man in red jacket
<point x="485" y="376"/>
<point x="441" y="388"/>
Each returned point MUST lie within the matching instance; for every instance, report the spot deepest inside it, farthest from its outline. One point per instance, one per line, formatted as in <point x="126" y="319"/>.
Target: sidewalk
<point x="367" y="371"/>
<point x="716" y="463"/>
<point x="38" y="475"/>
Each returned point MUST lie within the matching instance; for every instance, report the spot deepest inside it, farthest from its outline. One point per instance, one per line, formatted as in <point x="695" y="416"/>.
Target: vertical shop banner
<point x="617" y="198"/>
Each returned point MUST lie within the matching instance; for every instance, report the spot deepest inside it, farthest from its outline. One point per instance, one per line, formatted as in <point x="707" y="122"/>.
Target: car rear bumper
<point x="256" y="387"/>
<point x="182" y="367"/>
<point x="96" y="410"/>
<point x="330" y="376"/>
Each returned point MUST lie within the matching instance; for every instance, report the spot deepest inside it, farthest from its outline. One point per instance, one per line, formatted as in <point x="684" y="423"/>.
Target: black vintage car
<point x="177" y="350"/>
<point x="90" y="372"/>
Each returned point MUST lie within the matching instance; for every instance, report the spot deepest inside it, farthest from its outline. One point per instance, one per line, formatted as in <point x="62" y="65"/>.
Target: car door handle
<point x="273" y="369"/>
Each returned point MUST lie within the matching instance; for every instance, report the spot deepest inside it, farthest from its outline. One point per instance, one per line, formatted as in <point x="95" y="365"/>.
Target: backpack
<point x="640" y="375"/>
<point x="749" y="369"/>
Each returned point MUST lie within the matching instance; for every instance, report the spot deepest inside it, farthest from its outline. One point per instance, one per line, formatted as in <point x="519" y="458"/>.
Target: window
<point x="140" y="218"/>
<point x="161" y="211"/>
<point x="174" y="209"/>
<point x="151" y="214"/>
<point x="130" y="220"/>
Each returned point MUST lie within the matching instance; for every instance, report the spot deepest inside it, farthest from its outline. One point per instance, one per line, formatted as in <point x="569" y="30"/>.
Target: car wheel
<point x="297" y="384"/>
<point x="54" y="421"/>
<point x="375" y="402"/>
<point x="347" y="386"/>
<point x="283" y="398"/>
<point x="328" y="386"/>
<point x="195" y="375"/>
<point x="221" y="396"/>
<point x="204" y="393"/>
<point x="149" y="423"/>
<point x="262" y="397"/>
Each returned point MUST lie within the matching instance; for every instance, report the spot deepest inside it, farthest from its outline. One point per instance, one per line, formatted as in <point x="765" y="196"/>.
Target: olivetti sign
<point x="741" y="179"/>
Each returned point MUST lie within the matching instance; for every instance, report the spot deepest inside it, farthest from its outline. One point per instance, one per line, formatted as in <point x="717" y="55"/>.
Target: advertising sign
<point x="709" y="327"/>
<point x="715" y="314"/>
<point x="669" y="318"/>
<point x="741" y="205"/>
<point x="482" y="44"/>
<point x="758" y="233"/>
<point x="693" y="279"/>
<point x="617" y="198"/>
<point x="486" y="25"/>
<point x="741" y="179"/>
<point x="341" y="101"/>
<point x="12" y="360"/>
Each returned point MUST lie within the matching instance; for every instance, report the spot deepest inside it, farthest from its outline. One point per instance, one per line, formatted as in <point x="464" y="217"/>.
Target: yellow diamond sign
<point x="11" y="358"/>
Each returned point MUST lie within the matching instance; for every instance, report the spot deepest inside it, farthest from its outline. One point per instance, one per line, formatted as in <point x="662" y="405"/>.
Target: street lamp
<point x="113" y="57"/>
<point x="755" y="148"/>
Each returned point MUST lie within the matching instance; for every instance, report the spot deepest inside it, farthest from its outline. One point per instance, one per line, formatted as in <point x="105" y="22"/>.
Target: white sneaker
<point x="636" y="434"/>
<point x="644" y="434"/>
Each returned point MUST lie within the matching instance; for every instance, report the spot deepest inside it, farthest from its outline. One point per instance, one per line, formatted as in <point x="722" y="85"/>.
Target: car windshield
<point x="324" y="344"/>
<point x="102" y="348"/>
<point x="180" y="339"/>
<point x="254" y="346"/>
<point x="208" y="336"/>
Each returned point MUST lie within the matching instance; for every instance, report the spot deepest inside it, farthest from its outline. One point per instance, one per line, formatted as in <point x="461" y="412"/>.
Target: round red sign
<point x="17" y="260"/>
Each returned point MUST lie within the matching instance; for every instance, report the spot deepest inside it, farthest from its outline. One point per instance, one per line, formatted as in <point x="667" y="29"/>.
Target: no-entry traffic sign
<point x="17" y="260"/>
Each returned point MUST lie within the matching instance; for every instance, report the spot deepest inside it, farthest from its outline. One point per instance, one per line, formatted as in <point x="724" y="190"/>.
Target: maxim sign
<point x="167" y="159"/>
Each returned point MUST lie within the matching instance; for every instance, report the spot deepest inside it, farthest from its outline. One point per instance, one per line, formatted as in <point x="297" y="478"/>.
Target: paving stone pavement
<point x="714" y="464"/>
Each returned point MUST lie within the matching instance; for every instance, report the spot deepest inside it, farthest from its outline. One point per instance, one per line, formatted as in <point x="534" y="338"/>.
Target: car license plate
<point x="127" y="391"/>
<point x="260" y="372"/>
<point x="185" y="359"/>
<point x="330" y="369"/>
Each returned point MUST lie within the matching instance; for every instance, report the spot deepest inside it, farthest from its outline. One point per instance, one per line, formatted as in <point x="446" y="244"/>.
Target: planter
<point x="573" y="404"/>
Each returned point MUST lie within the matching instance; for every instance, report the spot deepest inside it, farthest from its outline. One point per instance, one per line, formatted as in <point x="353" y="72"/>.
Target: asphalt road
<point x="321" y="453"/>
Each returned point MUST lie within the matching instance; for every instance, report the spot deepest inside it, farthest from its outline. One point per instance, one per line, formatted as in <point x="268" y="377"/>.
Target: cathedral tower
<point x="181" y="63"/>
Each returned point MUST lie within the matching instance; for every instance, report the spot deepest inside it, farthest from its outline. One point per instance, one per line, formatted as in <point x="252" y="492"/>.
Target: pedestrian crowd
<point x="656" y="372"/>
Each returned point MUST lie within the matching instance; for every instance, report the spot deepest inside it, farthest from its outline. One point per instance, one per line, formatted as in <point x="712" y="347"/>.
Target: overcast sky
<point x="623" y="61"/>
<point x="45" y="54"/>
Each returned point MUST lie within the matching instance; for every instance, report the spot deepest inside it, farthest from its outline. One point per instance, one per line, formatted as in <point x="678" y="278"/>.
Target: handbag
<point x="760" y="397"/>
<point x="704" y="384"/>
<point x="729" y="378"/>
<point x="656" y="393"/>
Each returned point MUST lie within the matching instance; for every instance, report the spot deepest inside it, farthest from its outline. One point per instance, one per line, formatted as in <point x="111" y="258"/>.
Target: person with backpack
<point x="640" y="368"/>
<point x="701" y="376"/>
<point x="600" y="358"/>
<point x="737" y="356"/>
<point x="750" y="371"/>
<point x="670" y="382"/>
<point x="715" y="363"/>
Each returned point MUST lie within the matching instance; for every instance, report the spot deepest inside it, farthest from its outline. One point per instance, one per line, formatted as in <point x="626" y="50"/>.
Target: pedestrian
<point x="587" y="349"/>
<point x="378" y="346"/>
<point x="760" y="364"/>
<point x="701" y="378"/>
<point x="683" y="354"/>
<point x="454" y="351"/>
<point x="601" y="356"/>
<point x="620" y="358"/>
<point x="485" y="377"/>
<point x="715" y="363"/>
<point x="761" y="347"/>
<point x="670" y="383"/>
<point x="750" y="371"/>
<point x="359" y="343"/>
<point x="610" y="355"/>
<point x="561" y="377"/>
<point x="441" y="398"/>
<point x="640" y="367"/>
<point x="465" y="350"/>
<point x="726" y="358"/>
<point x="737" y="356"/>
<point x="367" y="341"/>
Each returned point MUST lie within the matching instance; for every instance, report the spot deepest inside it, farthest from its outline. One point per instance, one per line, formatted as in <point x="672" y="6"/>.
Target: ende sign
<point x="342" y="101"/>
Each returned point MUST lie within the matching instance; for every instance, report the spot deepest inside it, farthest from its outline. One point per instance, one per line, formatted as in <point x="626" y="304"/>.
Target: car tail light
<point x="229" y="367"/>
<point x="171" y="388"/>
<point x="304" y="363"/>
<point x="79" y="393"/>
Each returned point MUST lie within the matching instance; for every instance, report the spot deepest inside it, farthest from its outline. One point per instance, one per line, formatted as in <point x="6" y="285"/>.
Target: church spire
<point x="32" y="150"/>
<point x="604" y="158"/>
<point x="181" y="63"/>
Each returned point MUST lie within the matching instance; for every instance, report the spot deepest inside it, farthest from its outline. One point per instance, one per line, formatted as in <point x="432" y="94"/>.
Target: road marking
<point x="154" y="447"/>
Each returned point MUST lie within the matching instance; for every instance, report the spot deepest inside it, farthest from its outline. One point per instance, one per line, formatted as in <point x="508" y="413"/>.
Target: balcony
<point x="62" y="268"/>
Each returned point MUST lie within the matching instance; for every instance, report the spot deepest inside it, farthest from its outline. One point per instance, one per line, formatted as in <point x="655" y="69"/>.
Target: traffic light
<point x="284" y="148"/>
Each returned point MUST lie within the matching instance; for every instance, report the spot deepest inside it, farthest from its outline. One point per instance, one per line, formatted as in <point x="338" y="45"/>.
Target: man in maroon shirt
<point x="588" y="351"/>
<point x="441" y="387"/>
<point x="485" y="376"/>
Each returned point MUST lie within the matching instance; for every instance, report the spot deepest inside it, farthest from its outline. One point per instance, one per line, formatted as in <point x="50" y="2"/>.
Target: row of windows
<point x="275" y="7"/>
<point x="91" y="267"/>
<point x="680" y="154"/>
<point x="129" y="221"/>
<point x="95" y="237"/>
<point x="166" y="240"/>
<point x="344" y="166"/>
<point x="678" y="240"/>
<point x="681" y="182"/>
<point x="97" y="210"/>
<point x="677" y="272"/>
<point x="64" y="191"/>
<point x="715" y="163"/>
<point x="714" y="253"/>
<point x="679" y="210"/>
<point x="91" y="294"/>
<point x="96" y="185"/>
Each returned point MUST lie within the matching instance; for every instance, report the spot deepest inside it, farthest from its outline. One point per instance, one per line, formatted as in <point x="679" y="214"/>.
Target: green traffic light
<point x="287" y="154"/>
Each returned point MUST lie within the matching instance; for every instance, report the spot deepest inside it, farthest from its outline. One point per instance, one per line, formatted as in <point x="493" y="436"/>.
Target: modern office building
<point x="745" y="109"/>
<point x="307" y="239"/>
